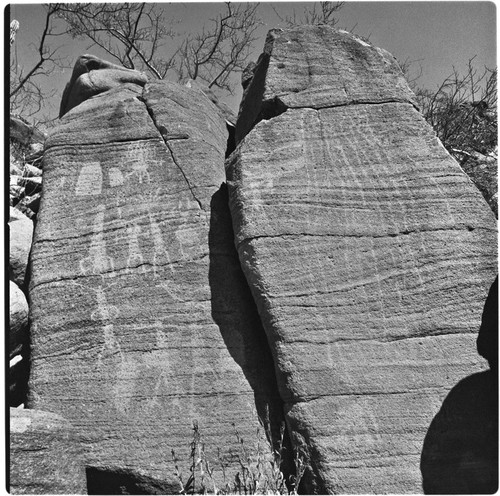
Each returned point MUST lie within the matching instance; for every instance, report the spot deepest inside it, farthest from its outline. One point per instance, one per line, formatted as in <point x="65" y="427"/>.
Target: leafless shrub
<point x="316" y="14"/>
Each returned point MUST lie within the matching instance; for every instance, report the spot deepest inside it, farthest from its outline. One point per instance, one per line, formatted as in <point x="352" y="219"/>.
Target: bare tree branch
<point x="25" y="89"/>
<point x="318" y="13"/>
<point x="135" y="35"/>
<point x="43" y="52"/>
<point x="462" y="110"/>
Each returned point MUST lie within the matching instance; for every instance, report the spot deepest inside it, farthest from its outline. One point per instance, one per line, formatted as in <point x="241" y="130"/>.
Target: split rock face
<point x="129" y="340"/>
<point x="368" y="251"/>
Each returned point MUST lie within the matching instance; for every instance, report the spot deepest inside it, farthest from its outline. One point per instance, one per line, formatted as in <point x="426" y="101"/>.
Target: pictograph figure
<point x="135" y="258"/>
<point x="106" y="314"/>
<point x="97" y="262"/>
<point x="89" y="182"/>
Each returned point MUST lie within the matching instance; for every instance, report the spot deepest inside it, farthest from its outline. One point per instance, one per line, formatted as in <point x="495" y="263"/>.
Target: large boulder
<point x="130" y="340"/>
<point x="92" y="76"/>
<point x="45" y="455"/>
<point x="367" y="249"/>
<point x="20" y="238"/>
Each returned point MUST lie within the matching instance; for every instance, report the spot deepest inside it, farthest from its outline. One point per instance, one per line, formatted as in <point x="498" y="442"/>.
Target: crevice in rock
<point x="231" y="139"/>
<point x="18" y="379"/>
<point x="355" y="102"/>
<point x="123" y="481"/>
<point x="235" y="312"/>
<point x="165" y="137"/>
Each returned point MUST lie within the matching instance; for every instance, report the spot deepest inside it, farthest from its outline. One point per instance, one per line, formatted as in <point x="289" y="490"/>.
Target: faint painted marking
<point x="116" y="177"/>
<point x="140" y="165"/>
<point x="97" y="261"/>
<point x="127" y="374"/>
<point x="105" y="313"/>
<point x="160" y="252"/>
<point x="135" y="258"/>
<point x="111" y="345"/>
<point x="89" y="181"/>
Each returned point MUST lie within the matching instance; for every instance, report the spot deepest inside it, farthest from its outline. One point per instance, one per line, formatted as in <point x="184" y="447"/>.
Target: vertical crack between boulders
<point x="163" y="132"/>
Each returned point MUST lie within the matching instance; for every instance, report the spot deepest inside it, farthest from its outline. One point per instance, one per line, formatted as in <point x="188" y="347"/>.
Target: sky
<point x="436" y="36"/>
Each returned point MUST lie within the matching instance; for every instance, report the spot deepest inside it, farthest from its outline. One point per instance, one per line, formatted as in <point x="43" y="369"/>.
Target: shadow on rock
<point x="460" y="452"/>
<point x="235" y="312"/>
<point x="123" y="481"/>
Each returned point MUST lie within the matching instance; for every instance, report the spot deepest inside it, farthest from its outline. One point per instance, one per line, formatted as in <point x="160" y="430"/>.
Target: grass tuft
<point x="260" y="472"/>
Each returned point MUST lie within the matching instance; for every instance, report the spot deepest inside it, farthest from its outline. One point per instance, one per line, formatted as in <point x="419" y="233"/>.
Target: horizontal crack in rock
<point x="346" y="235"/>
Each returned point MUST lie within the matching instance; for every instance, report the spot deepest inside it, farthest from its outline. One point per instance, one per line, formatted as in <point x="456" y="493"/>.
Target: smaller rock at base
<point x="45" y="455"/>
<point x="32" y="202"/>
<point x="18" y="319"/>
<point x="32" y="184"/>
<point x="21" y="235"/>
<point x="32" y="171"/>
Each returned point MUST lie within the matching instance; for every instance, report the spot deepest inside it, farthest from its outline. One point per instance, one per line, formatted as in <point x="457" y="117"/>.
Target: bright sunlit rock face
<point x="141" y="318"/>
<point x="337" y="283"/>
<point x="368" y="251"/>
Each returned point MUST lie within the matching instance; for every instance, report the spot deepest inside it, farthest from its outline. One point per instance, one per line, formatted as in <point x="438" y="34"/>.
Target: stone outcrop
<point x="20" y="238"/>
<point x="45" y="455"/>
<point x="26" y="149"/>
<point x="26" y="134"/>
<point x="367" y="249"/>
<point x="367" y="256"/>
<point x="92" y="76"/>
<point x="131" y="341"/>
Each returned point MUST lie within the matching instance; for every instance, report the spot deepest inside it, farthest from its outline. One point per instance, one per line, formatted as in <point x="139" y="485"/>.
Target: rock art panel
<point x="125" y="341"/>
<point x="45" y="455"/>
<point x="368" y="251"/>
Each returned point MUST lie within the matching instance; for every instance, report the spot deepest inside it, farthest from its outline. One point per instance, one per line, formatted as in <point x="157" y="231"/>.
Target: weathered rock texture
<point x="45" y="456"/>
<point x="130" y="341"/>
<point x="368" y="251"/>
